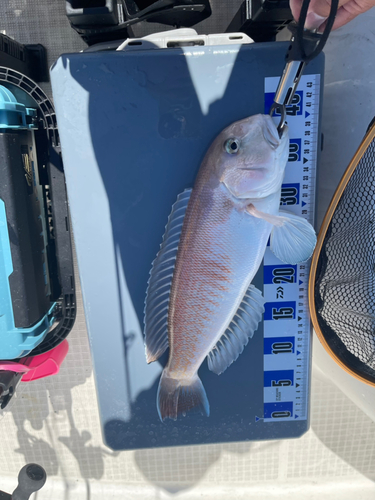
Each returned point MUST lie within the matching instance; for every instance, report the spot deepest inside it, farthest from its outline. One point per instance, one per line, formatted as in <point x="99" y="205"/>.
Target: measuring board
<point x="134" y="129"/>
<point x="287" y="330"/>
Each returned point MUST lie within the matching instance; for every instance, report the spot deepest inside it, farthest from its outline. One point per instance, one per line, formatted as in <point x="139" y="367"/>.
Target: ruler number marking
<point x="281" y="414"/>
<point x="281" y="383"/>
<point x="284" y="275"/>
<point x="282" y="347"/>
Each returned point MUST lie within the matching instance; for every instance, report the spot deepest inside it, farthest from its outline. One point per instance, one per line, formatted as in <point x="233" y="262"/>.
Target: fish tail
<point x="176" y="397"/>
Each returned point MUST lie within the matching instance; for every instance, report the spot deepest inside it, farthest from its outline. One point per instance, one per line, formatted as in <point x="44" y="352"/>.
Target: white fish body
<point x="200" y="300"/>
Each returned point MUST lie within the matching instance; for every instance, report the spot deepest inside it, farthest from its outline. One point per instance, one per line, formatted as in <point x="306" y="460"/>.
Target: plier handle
<point x="304" y="46"/>
<point x="294" y="66"/>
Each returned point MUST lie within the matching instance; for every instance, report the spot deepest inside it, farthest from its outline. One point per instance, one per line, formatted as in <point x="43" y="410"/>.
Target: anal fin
<point x="242" y="327"/>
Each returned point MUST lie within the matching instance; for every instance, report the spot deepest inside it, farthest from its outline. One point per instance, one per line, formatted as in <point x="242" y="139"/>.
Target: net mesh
<point x="345" y="285"/>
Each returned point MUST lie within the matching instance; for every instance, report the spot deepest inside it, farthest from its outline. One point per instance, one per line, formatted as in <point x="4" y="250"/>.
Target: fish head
<point x="251" y="157"/>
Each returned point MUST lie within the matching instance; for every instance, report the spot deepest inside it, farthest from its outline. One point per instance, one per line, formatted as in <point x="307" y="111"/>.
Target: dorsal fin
<point x="160" y="281"/>
<point x="241" y="328"/>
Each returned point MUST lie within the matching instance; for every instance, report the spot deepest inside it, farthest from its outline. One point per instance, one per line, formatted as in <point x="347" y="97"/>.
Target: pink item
<point x="11" y="366"/>
<point x="46" y="364"/>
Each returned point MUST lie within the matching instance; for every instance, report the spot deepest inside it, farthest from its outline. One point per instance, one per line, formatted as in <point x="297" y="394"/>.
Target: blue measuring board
<point x="287" y="330"/>
<point x="134" y="129"/>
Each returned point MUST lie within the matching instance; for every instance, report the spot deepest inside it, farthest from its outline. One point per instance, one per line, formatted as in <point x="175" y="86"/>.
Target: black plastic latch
<point x="261" y="20"/>
<point x="92" y="12"/>
<point x="8" y="384"/>
<point x="30" y="59"/>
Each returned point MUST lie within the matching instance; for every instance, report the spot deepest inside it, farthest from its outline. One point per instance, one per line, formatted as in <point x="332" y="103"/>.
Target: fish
<point x="200" y="300"/>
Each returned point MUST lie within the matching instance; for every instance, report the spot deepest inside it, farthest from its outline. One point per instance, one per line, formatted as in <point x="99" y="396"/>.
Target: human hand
<point x="319" y="11"/>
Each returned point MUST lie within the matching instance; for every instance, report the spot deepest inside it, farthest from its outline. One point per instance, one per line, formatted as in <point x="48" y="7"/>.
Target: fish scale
<point x="201" y="279"/>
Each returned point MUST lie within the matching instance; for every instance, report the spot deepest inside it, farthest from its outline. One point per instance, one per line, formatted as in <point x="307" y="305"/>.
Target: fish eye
<point x="232" y="146"/>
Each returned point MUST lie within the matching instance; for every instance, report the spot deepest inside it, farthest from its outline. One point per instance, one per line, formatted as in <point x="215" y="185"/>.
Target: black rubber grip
<point x="31" y="478"/>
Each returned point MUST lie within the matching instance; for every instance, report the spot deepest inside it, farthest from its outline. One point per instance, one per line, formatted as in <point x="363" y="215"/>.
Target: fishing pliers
<point x="304" y="46"/>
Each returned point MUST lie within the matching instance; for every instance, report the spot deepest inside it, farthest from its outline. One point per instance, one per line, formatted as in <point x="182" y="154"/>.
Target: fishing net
<point x="344" y="291"/>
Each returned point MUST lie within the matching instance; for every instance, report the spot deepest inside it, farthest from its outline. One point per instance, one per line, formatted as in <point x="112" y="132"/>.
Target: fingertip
<point x="314" y="21"/>
<point x="295" y="7"/>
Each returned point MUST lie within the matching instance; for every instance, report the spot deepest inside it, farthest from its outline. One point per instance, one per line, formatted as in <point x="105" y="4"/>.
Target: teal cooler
<point x="26" y="312"/>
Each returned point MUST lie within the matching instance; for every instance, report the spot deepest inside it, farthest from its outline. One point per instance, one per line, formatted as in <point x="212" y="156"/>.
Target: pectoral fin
<point x="293" y="239"/>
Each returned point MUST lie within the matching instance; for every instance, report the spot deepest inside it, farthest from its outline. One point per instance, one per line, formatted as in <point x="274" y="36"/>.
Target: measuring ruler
<point x="287" y="330"/>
